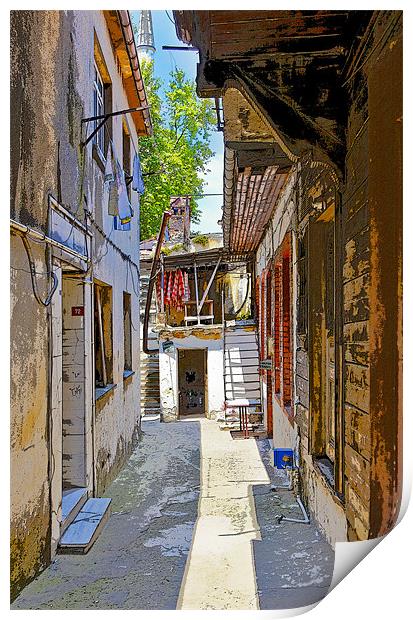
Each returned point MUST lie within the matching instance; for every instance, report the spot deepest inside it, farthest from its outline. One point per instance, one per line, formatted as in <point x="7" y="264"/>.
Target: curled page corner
<point x="348" y="555"/>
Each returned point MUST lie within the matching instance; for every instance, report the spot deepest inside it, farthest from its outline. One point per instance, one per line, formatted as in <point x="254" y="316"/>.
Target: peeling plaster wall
<point x="118" y="413"/>
<point x="52" y="56"/>
<point x="35" y="36"/>
<point x="168" y="372"/>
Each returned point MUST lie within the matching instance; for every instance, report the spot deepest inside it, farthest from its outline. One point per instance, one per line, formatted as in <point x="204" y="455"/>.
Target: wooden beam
<point x="196" y="292"/>
<point x="209" y="286"/>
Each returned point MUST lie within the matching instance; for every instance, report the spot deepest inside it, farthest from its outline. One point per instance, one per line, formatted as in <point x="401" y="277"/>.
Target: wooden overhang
<point x="290" y="63"/>
<point x="250" y="197"/>
<point x="255" y="170"/>
<point x="120" y="30"/>
<point x="204" y="258"/>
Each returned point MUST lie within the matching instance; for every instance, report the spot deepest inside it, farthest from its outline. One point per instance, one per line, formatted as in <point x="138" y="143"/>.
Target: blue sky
<point x="165" y="61"/>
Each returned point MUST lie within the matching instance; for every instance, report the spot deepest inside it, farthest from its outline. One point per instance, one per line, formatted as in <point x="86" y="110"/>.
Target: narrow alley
<point x="206" y="303"/>
<point x="191" y="501"/>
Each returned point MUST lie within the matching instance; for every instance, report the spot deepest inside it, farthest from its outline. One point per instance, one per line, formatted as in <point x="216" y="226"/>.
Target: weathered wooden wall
<point x="356" y="307"/>
<point x="372" y="281"/>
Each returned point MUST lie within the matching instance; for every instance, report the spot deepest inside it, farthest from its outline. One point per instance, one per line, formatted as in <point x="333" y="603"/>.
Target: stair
<point x="86" y="526"/>
<point x="149" y="364"/>
<point x="72" y="501"/>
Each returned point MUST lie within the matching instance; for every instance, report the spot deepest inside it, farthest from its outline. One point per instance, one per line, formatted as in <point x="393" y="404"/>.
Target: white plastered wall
<point x="168" y="374"/>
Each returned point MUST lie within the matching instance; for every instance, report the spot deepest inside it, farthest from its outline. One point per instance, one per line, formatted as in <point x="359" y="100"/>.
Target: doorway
<point x="73" y="395"/>
<point x="192" y="372"/>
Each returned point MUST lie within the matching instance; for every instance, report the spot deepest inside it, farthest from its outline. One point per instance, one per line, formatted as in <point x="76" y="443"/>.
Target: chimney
<point x="180" y="221"/>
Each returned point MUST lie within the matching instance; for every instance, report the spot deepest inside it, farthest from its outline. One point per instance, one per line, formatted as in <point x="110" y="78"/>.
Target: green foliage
<point x="182" y="125"/>
<point x="200" y="240"/>
<point x="166" y="250"/>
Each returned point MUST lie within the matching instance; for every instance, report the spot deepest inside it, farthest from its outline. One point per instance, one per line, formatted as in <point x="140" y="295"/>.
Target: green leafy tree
<point x="174" y="158"/>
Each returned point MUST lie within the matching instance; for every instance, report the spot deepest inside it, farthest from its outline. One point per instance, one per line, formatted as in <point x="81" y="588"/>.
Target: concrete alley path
<point x="220" y="570"/>
<point x="192" y="527"/>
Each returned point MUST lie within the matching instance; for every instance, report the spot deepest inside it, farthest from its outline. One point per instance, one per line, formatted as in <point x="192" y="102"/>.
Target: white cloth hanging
<point x="110" y="199"/>
<point x="137" y="178"/>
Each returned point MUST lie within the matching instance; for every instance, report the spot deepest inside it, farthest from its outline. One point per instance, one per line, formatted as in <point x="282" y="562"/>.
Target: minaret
<point x="146" y="42"/>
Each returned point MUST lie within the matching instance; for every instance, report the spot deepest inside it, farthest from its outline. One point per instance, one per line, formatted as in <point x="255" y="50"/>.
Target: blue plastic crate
<point x="284" y="458"/>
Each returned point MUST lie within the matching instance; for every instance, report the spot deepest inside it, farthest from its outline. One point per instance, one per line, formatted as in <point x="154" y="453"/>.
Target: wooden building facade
<point x="312" y="107"/>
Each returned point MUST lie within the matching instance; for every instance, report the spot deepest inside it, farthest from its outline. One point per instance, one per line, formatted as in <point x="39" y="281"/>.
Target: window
<point x="286" y="331"/>
<point x="281" y="326"/>
<point x="102" y="101"/>
<point x="98" y="108"/>
<point x="324" y="408"/>
<point x="103" y="336"/>
<point x="302" y="269"/>
<point x="262" y="306"/>
<point x="277" y="328"/>
<point x="127" y="333"/>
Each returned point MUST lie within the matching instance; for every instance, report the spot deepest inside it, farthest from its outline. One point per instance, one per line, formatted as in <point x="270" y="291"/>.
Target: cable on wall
<point x="43" y="302"/>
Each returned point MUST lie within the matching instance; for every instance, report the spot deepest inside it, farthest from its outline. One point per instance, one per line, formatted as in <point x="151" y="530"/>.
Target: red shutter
<point x="286" y="331"/>
<point x="277" y="326"/>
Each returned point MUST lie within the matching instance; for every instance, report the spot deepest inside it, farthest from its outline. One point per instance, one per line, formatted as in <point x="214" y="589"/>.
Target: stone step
<point x="150" y="413"/>
<point x="72" y="502"/>
<point x="86" y="527"/>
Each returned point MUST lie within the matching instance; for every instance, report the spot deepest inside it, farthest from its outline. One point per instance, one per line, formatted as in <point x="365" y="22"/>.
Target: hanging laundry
<point x="187" y="292"/>
<point x="124" y="207"/>
<point x="109" y="175"/>
<point x="168" y="297"/>
<point x="137" y="178"/>
<point x="178" y="289"/>
<point x="181" y="290"/>
<point x="119" y="226"/>
<point x="110" y="187"/>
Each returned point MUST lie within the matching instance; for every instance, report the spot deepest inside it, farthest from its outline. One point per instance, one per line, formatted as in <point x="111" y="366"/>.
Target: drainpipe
<point x="127" y="31"/>
<point x="305" y="520"/>
<point x="165" y="218"/>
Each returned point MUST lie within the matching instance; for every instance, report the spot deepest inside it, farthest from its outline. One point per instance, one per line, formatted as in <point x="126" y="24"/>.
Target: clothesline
<point x="116" y="193"/>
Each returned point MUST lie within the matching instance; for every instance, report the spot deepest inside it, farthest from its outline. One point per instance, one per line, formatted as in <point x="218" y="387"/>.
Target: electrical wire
<point x="33" y="272"/>
<point x="125" y="256"/>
